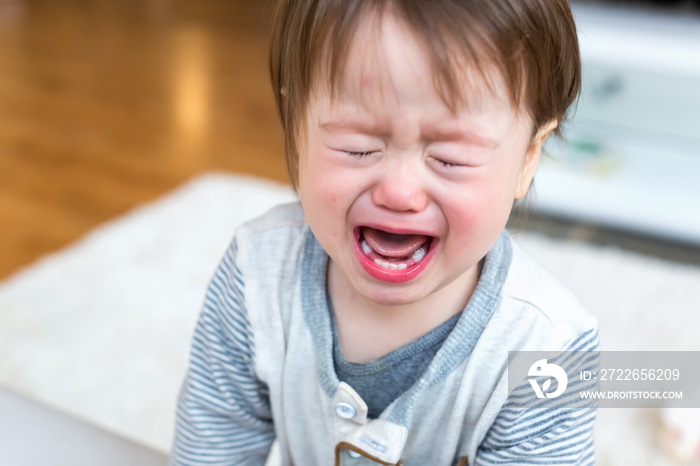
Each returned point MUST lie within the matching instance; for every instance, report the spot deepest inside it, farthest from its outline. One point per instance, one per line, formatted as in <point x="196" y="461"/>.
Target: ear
<point x="532" y="158"/>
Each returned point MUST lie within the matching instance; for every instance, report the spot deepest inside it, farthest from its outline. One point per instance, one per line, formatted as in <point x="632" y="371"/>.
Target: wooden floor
<point x="105" y="104"/>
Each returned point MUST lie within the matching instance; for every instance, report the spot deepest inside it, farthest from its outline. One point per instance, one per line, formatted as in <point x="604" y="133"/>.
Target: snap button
<point x="345" y="410"/>
<point x="354" y="454"/>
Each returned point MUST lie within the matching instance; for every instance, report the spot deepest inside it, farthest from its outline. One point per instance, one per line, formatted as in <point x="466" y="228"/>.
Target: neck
<point x="368" y="329"/>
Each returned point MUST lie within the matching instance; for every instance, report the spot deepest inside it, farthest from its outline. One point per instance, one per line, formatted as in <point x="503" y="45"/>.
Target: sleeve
<point x="528" y="434"/>
<point x="223" y="413"/>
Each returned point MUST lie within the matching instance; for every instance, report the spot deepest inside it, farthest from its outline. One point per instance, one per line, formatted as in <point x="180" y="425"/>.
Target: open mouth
<point x="392" y="256"/>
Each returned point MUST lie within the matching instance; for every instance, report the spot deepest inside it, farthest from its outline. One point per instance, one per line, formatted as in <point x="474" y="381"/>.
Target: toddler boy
<point x="371" y="322"/>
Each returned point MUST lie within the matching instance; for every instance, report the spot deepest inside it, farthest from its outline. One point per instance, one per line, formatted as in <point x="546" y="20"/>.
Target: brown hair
<point x="532" y="43"/>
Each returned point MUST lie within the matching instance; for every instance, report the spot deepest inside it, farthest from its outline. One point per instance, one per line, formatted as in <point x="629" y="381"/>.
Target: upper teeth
<point x="365" y="247"/>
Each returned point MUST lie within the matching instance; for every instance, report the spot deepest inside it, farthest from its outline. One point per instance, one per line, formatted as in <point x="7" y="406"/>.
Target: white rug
<point x="102" y="328"/>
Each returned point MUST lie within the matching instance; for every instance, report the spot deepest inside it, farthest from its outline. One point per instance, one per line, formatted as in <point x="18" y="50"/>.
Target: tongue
<point x="392" y="244"/>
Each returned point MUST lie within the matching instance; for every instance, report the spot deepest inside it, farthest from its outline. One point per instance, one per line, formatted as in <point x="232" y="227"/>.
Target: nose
<point x="400" y="189"/>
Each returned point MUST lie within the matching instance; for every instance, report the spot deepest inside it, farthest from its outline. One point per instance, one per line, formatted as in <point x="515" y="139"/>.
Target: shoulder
<point x="277" y="233"/>
<point x="280" y="218"/>
<point x="264" y="258"/>
<point x="542" y="307"/>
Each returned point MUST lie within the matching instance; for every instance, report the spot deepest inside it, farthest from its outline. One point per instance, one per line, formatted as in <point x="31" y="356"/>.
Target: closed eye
<point x="447" y="164"/>
<point x="360" y="154"/>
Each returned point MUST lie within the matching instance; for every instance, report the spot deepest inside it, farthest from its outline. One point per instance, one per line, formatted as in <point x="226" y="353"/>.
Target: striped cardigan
<point x="262" y="367"/>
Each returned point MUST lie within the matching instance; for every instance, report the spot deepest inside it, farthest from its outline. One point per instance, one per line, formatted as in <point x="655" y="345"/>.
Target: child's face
<point x="388" y="156"/>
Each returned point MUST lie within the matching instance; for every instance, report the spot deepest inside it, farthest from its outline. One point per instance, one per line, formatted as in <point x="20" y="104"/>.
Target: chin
<point x="396" y="297"/>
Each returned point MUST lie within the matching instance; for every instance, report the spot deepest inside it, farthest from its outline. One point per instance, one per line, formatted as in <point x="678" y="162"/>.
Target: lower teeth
<point x="417" y="256"/>
<point x="391" y="265"/>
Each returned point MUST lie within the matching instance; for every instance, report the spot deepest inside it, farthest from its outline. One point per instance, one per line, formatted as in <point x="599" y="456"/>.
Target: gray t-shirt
<point x="381" y="381"/>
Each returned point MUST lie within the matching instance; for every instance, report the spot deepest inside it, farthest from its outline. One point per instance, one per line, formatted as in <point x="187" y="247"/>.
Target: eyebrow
<point x="431" y="132"/>
<point x="365" y="127"/>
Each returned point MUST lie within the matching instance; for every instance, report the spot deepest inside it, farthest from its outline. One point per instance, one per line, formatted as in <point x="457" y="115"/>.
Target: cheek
<point x="319" y="184"/>
<point x="480" y="209"/>
<point x="321" y="194"/>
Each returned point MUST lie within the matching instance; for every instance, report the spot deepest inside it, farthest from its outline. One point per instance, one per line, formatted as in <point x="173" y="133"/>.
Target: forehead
<point x="387" y="62"/>
<point x="388" y="88"/>
<point x="385" y="56"/>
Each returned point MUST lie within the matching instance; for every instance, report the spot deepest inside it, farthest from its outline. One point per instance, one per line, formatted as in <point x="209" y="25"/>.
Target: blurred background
<point x="106" y="106"/>
<point x="630" y="159"/>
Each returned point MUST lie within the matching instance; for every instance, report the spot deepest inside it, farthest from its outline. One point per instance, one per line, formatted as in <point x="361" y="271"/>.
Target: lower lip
<point x="392" y="276"/>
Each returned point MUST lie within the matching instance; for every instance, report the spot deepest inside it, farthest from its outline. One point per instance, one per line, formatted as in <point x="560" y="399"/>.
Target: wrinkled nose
<point x="400" y="189"/>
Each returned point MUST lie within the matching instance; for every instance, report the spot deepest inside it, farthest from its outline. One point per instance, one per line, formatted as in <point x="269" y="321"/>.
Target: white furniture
<point x="632" y="160"/>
